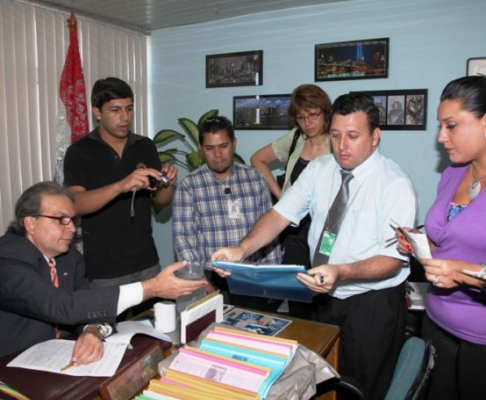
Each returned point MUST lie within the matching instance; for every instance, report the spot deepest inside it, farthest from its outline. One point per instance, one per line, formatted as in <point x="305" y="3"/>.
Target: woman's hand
<point x="403" y="245"/>
<point x="448" y="274"/>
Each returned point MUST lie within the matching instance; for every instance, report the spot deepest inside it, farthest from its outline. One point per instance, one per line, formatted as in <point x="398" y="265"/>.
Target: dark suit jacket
<point x="30" y="306"/>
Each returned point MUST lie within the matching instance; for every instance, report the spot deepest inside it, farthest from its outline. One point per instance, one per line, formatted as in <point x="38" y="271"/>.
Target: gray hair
<point x="29" y="203"/>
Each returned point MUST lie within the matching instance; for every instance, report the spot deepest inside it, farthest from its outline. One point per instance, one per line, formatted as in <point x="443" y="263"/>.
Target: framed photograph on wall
<point x="261" y="112"/>
<point x="234" y="69"/>
<point x="359" y="59"/>
<point x="476" y="66"/>
<point x="401" y="110"/>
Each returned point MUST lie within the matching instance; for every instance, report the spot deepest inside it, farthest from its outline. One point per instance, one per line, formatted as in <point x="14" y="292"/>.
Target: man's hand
<point x="321" y="279"/>
<point x="88" y="348"/>
<point x="138" y="179"/>
<point x="170" y="172"/>
<point x="235" y="253"/>
<point x="169" y="286"/>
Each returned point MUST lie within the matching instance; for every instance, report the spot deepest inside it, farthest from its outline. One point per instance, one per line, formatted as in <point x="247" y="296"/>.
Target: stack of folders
<point x="228" y="364"/>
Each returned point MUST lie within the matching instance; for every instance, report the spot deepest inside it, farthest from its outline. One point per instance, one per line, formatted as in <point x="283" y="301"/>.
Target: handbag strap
<point x="294" y="142"/>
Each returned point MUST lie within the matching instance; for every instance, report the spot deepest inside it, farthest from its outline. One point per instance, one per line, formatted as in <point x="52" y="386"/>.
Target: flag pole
<point x="72" y="23"/>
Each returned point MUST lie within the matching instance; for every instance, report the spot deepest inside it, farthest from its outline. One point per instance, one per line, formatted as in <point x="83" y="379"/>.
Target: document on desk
<point x="127" y="329"/>
<point x="53" y="355"/>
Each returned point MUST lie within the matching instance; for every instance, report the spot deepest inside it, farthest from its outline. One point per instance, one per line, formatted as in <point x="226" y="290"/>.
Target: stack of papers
<point x="55" y="356"/>
<point x="229" y="364"/>
<point x="127" y="329"/>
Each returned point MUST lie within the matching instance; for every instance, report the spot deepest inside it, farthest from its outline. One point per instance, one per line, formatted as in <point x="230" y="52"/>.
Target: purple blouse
<point x="461" y="310"/>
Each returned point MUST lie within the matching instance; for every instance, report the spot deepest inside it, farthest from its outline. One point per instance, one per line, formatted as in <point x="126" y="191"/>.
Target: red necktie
<point x="55" y="282"/>
<point x="53" y="271"/>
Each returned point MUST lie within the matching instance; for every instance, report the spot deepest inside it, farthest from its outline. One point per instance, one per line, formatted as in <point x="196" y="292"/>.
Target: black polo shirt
<point x="115" y="244"/>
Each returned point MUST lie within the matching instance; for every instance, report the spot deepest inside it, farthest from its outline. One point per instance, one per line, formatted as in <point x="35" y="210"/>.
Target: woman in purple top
<point x="456" y="228"/>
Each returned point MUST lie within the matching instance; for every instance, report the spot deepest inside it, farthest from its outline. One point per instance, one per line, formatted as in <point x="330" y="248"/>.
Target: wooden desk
<point x="321" y="338"/>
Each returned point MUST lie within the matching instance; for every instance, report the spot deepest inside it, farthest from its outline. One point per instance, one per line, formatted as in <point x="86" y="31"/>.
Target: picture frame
<point x="234" y="69"/>
<point x="401" y="110"/>
<point x="357" y="59"/>
<point x="476" y="66"/>
<point x="261" y="112"/>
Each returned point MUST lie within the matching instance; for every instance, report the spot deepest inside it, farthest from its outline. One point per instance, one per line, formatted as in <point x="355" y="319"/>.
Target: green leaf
<point x="194" y="160"/>
<point x="191" y="128"/>
<point x="237" y="158"/>
<point x="166" y="157"/>
<point x="166" y="134"/>
<point x="205" y="116"/>
<point x="172" y="151"/>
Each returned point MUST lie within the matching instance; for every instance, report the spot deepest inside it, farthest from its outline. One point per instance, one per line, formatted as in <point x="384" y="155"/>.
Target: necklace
<point x="475" y="187"/>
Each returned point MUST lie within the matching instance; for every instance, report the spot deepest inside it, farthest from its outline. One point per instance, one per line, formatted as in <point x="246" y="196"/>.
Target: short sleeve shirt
<point x="115" y="244"/>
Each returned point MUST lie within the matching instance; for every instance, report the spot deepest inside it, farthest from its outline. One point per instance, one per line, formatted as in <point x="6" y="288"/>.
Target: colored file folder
<point x="269" y="281"/>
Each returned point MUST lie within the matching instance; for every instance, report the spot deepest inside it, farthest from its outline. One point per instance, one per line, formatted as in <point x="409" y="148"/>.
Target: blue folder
<point x="269" y="281"/>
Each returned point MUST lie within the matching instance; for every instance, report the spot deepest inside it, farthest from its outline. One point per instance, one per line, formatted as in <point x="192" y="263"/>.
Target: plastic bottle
<point x="191" y="272"/>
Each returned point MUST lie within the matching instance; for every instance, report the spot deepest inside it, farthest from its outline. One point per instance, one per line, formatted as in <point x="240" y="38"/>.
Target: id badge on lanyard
<point x="234" y="209"/>
<point x="327" y="243"/>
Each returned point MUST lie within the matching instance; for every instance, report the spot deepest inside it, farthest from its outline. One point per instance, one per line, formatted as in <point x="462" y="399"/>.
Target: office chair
<point x="410" y="378"/>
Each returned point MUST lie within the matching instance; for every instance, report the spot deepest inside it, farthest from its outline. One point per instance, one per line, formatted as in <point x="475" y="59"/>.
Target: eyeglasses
<point x="62" y="220"/>
<point x="311" y="117"/>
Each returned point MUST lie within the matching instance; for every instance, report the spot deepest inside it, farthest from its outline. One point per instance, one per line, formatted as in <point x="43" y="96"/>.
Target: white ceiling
<point x="148" y="15"/>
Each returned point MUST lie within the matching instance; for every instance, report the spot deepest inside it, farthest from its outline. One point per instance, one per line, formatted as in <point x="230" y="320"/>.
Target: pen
<point x="67" y="366"/>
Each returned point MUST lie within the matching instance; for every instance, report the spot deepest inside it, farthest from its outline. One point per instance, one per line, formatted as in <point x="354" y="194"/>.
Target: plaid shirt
<point x="201" y="220"/>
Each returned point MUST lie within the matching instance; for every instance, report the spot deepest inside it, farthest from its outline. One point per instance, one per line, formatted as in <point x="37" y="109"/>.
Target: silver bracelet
<point x="482" y="273"/>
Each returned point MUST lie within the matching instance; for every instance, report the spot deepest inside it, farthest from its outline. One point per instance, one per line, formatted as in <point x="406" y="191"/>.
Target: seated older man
<point x="43" y="289"/>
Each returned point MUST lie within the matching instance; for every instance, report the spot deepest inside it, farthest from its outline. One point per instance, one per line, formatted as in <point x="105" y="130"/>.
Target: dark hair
<point x="105" y="90"/>
<point x="471" y="91"/>
<point x="29" y="203"/>
<point x="355" y="102"/>
<point x="310" y="96"/>
<point x="216" y="124"/>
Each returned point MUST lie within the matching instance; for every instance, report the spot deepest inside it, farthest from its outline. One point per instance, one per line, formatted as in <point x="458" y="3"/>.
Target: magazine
<point x="256" y="322"/>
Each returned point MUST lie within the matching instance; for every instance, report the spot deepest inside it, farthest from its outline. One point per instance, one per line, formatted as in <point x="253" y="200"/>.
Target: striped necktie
<point x="55" y="282"/>
<point x="53" y="271"/>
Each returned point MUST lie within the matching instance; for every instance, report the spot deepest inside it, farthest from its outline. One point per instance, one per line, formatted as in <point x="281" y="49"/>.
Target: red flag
<point x="73" y="116"/>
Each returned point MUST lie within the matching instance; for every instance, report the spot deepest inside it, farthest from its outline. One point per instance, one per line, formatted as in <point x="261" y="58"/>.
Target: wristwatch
<point x="105" y="330"/>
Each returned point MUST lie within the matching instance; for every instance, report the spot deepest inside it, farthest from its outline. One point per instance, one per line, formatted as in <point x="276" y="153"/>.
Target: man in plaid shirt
<point x="216" y="205"/>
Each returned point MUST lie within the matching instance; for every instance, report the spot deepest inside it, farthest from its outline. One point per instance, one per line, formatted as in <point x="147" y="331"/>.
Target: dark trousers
<point x="372" y="333"/>
<point x="459" y="372"/>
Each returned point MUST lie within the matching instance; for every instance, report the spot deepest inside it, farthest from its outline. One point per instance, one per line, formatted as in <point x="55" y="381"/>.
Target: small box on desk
<point x="40" y="385"/>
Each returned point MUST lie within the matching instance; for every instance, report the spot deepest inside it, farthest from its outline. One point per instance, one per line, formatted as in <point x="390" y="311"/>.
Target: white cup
<point x="165" y="316"/>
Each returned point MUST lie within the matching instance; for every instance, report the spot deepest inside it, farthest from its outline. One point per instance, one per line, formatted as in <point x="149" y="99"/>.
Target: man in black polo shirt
<point x="108" y="171"/>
